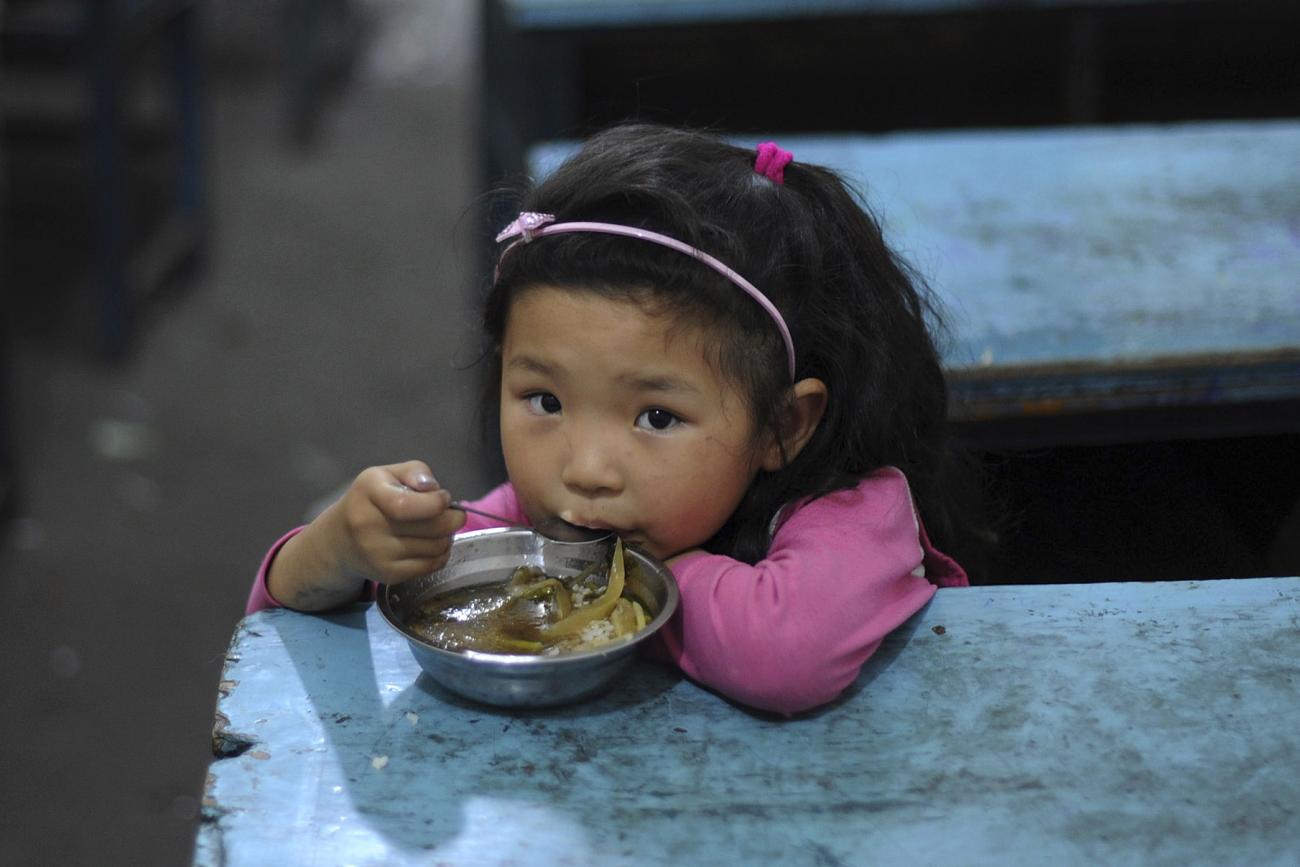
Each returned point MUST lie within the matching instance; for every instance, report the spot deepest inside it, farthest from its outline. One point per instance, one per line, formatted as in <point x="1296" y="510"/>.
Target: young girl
<point x="712" y="352"/>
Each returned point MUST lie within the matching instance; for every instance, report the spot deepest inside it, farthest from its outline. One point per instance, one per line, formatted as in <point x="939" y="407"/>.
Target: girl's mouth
<point x="572" y="518"/>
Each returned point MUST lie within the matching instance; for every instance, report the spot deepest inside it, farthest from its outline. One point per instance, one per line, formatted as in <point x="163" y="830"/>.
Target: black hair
<point x="860" y="319"/>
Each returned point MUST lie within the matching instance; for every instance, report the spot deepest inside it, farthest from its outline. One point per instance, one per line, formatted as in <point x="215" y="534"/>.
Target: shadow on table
<point x="394" y="743"/>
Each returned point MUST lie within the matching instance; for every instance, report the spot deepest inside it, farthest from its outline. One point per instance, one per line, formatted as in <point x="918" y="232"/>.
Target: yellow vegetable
<point x="597" y="610"/>
<point x="501" y="643"/>
<point x="623" y="618"/>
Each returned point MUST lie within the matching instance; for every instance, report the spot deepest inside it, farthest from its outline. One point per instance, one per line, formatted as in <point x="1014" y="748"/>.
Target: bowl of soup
<point x="516" y="620"/>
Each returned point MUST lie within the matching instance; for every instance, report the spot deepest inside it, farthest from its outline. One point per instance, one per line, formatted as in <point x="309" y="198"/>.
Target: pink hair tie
<point x="772" y="161"/>
<point x="529" y="226"/>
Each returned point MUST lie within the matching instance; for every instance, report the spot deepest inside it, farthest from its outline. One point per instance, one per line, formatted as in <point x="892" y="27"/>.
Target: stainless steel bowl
<point x="491" y="556"/>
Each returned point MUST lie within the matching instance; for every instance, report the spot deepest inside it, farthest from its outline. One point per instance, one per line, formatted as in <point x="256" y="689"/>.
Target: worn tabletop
<point x="1066" y="724"/>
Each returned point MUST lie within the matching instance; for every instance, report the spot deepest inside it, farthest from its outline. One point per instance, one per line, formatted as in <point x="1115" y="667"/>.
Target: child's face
<point x="611" y="417"/>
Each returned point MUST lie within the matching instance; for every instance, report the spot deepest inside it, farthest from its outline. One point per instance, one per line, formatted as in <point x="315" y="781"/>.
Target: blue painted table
<point x="1145" y="724"/>
<point x="1098" y="268"/>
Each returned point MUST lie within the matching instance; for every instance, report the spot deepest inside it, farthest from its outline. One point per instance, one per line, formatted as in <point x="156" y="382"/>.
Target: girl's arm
<point x="393" y="524"/>
<point x="794" y="630"/>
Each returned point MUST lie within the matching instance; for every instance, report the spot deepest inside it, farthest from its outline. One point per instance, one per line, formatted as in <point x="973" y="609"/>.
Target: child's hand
<point x="393" y="524"/>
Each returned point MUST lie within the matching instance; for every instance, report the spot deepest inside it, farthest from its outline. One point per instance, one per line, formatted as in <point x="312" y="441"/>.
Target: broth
<point x="536" y="614"/>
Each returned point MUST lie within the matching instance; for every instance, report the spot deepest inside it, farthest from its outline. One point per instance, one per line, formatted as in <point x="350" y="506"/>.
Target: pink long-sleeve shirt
<point x="792" y="631"/>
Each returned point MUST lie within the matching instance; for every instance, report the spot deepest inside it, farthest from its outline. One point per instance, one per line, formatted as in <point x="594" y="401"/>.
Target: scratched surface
<point x="1088" y="245"/>
<point x="1146" y="724"/>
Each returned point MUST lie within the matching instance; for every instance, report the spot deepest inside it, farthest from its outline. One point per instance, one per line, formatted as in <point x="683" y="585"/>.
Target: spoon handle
<point x="554" y="529"/>
<point x="457" y="504"/>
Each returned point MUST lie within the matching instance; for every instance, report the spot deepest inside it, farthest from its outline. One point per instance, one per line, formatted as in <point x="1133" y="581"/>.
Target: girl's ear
<point x="800" y="418"/>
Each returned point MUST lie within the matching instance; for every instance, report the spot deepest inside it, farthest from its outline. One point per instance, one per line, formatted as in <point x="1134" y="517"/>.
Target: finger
<point x="400" y="504"/>
<point x="416" y="475"/>
<point x="415" y="567"/>
<point x="419" y="549"/>
<point x="426" y="531"/>
<point x="382" y="556"/>
<point x="442" y="524"/>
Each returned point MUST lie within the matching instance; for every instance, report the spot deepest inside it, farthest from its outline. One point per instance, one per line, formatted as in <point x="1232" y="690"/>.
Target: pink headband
<point x="529" y="225"/>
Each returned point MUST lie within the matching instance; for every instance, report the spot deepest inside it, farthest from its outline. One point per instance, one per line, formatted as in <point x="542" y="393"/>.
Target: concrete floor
<point x="322" y="336"/>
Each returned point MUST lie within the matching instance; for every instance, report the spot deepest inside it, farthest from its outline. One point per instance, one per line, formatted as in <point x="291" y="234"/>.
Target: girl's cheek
<point x="684" y="528"/>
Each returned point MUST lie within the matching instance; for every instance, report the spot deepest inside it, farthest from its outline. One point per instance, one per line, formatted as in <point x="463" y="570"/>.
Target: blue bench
<point x="1086" y="271"/>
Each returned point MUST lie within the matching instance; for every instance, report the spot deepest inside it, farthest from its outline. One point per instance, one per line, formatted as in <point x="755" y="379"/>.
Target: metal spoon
<point x="554" y="528"/>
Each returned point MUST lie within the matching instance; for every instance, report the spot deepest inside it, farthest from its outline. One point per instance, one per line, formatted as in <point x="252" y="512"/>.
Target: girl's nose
<point x="592" y="466"/>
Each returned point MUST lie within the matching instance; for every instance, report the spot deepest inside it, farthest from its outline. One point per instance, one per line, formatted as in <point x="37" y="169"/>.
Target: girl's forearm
<point x="307" y="577"/>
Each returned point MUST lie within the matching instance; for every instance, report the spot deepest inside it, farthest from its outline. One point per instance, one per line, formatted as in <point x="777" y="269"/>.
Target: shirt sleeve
<point x="259" y="597"/>
<point x="499" y="501"/>
<point x="791" y="632"/>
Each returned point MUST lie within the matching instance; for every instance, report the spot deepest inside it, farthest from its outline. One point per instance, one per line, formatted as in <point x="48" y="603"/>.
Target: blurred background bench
<point x="557" y="68"/>
<point x="137" y="128"/>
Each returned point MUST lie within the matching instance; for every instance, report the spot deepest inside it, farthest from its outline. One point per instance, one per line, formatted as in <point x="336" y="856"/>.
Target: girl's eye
<point x="544" y="403"/>
<point x="657" y="419"/>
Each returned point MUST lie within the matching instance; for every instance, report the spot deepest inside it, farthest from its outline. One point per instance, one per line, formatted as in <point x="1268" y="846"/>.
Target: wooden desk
<point x="1145" y="724"/>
